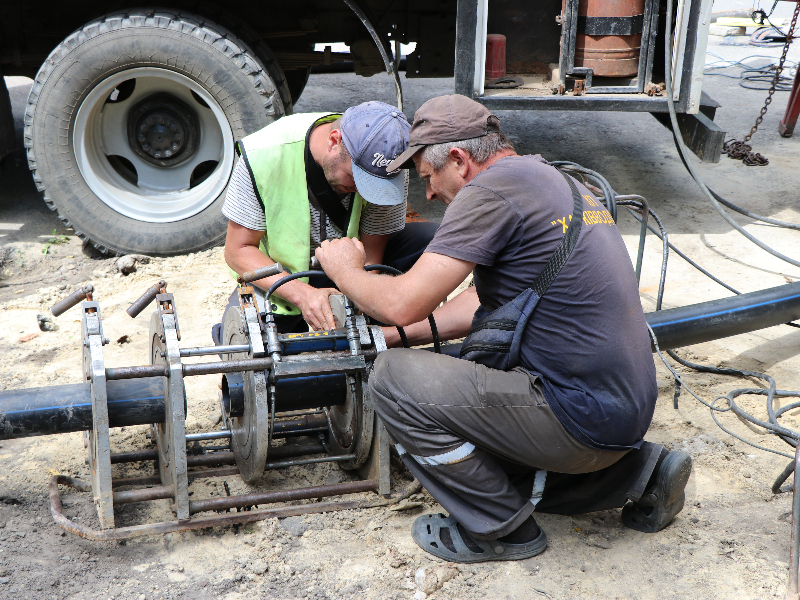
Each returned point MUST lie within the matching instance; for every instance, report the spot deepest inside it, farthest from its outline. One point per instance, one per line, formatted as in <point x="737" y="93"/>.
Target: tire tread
<point x="216" y="36"/>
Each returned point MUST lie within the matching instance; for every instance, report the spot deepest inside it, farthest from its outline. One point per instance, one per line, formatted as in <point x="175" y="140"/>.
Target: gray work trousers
<point x="488" y="448"/>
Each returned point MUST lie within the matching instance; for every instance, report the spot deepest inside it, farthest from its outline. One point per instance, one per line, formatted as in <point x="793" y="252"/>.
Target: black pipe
<point x="717" y="319"/>
<point x="723" y="318"/>
<point x="68" y="408"/>
<point x="297" y="393"/>
<point x="300" y="393"/>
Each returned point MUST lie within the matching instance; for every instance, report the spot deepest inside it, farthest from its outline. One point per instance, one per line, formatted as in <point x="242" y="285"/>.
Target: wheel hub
<point x="163" y="130"/>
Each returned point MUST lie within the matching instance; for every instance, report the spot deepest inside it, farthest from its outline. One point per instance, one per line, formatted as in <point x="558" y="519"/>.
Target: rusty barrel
<point x="495" y="56"/>
<point x="609" y="36"/>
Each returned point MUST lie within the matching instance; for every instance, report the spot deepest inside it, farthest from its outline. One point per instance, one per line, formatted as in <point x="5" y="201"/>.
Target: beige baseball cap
<point x="446" y="119"/>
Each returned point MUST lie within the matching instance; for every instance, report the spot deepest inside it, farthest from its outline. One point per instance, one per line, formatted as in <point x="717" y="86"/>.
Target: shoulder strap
<point x="562" y="253"/>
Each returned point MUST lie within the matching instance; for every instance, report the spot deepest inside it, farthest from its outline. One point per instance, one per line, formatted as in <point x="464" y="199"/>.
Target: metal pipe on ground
<point x="219" y="458"/>
<point x="189" y="370"/>
<point x="122" y="533"/>
<point x="160" y="492"/>
<point x="322" y="491"/>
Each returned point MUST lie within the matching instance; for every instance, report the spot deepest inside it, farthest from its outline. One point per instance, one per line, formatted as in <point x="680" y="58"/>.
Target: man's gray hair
<point x="480" y="149"/>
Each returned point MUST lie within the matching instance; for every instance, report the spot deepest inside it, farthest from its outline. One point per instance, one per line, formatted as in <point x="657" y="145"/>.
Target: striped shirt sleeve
<point x="241" y="204"/>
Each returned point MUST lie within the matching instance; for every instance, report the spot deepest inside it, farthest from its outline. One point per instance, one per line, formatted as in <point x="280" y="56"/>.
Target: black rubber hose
<point x="665" y="246"/>
<point x="608" y="193"/>
<point x="437" y="347"/>
<point x="753" y="215"/>
<point x="287" y="279"/>
<point x="776" y="487"/>
<point x="682" y="150"/>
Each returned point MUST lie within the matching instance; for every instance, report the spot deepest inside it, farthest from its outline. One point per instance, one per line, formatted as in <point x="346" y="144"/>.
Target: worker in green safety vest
<point x="315" y="176"/>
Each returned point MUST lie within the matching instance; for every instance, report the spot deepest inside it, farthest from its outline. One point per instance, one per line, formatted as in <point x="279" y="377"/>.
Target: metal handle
<point x="315" y="266"/>
<point x="150" y="295"/>
<point x="76" y="297"/>
<point x="261" y="273"/>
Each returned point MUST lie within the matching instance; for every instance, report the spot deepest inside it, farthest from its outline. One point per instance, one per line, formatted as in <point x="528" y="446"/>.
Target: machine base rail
<point x="122" y="533"/>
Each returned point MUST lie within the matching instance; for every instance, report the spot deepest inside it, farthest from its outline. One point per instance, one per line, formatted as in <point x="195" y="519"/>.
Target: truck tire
<point x="131" y="123"/>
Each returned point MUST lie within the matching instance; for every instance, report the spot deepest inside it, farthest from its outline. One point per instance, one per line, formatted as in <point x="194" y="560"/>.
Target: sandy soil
<point x="730" y="541"/>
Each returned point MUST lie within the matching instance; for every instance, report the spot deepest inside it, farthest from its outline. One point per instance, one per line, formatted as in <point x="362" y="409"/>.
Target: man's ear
<point x="460" y="158"/>
<point x="334" y="139"/>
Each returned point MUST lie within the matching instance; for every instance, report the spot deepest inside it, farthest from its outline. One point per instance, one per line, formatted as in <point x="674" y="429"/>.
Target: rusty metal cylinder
<point x="76" y="297"/>
<point x="495" y="56"/>
<point x="609" y="36"/>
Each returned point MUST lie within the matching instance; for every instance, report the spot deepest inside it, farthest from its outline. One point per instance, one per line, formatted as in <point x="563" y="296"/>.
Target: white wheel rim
<point x="160" y="194"/>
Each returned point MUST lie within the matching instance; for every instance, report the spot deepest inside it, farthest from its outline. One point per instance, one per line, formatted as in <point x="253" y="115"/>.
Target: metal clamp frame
<point x="367" y="450"/>
<point x="171" y="435"/>
<point x="97" y="440"/>
<point x="375" y="470"/>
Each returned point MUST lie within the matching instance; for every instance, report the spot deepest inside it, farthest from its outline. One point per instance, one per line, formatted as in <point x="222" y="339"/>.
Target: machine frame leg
<point x="794" y="548"/>
<point x="377" y="466"/>
<point x="171" y="434"/>
<point x="99" y="445"/>
<point x="786" y="126"/>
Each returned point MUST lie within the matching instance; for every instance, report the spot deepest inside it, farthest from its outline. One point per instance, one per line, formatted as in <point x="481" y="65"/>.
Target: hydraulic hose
<point x="682" y="151"/>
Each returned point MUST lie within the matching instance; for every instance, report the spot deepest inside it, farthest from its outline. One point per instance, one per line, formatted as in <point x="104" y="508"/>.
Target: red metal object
<point x="786" y="126"/>
<point x="609" y="55"/>
<point x="495" y="56"/>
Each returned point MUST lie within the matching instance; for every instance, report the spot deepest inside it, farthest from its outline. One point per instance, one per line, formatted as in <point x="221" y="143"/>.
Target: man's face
<point x="442" y="185"/>
<point x="338" y="169"/>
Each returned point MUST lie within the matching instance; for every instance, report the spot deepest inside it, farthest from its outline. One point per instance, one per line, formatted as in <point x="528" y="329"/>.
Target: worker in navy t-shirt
<point x="563" y="431"/>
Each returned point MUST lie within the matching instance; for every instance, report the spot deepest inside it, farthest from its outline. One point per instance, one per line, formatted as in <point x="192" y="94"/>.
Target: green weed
<point x="54" y="241"/>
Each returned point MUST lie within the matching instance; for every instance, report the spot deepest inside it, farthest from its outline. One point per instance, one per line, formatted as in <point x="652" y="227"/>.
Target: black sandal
<point x="442" y="537"/>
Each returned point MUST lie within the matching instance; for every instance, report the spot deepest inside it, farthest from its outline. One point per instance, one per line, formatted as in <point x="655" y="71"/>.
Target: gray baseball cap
<point x="374" y="134"/>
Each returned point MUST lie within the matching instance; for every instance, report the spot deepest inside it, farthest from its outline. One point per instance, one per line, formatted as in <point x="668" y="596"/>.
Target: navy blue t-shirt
<point x="587" y="338"/>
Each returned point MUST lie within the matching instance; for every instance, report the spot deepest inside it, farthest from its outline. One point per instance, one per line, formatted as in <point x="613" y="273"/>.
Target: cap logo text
<point x="379" y="160"/>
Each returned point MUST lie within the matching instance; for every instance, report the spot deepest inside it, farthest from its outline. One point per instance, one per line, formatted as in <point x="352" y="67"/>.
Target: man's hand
<point x="339" y="256"/>
<point x="316" y="308"/>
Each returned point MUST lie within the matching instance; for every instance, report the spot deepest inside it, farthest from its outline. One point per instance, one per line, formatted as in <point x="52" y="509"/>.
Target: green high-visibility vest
<point x="276" y="159"/>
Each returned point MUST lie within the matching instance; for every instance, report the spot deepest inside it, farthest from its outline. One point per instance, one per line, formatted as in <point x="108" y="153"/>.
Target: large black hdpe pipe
<point x="698" y="323"/>
<point x="298" y="393"/>
<point x="68" y="408"/>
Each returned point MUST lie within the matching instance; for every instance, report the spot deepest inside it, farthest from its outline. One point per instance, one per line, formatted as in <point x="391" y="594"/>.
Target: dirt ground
<point x="730" y="541"/>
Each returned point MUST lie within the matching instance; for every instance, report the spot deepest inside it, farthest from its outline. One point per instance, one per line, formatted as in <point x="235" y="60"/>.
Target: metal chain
<point x="741" y="149"/>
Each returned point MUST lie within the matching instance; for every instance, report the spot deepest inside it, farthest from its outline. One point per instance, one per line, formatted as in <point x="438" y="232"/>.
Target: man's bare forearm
<point x="247" y="258"/>
<point x="401" y="300"/>
<point x="453" y="321"/>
